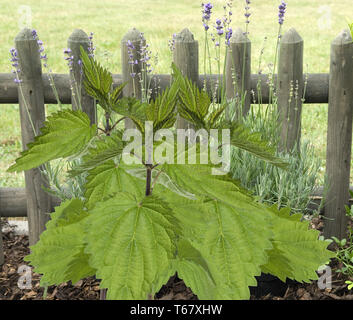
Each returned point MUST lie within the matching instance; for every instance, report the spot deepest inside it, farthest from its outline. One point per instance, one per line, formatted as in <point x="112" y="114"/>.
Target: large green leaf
<point x="97" y="80"/>
<point x="193" y="103"/>
<point x="133" y="109"/>
<point x="297" y="253"/>
<point x="195" y="106"/>
<point x="109" y="178"/>
<point x="235" y="247"/>
<point x="103" y="149"/>
<point x="58" y="255"/>
<point x="230" y="230"/>
<point x="193" y="269"/>
<point x="65" y="133"/>
<point x="161" y="111"/>
<point x="132" y="243"/>
<point x="197" y="181"/>
<point x="238" y="237"/>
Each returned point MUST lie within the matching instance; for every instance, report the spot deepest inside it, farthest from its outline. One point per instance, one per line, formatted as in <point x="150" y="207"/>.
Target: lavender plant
<point x="44" y="59"/>
<point x="285" y="188"/>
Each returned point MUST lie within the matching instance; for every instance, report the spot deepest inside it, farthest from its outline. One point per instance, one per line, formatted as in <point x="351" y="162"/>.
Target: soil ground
<point x="16" y="248"/>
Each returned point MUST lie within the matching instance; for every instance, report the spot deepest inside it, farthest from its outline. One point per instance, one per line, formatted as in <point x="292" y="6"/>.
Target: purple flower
<point x="91" y="48"/>
<point x="130" y="51"/>
<point x="282" y="10"/>
<point x="14" y="60"/>
<point x="43" y="56"/>
<point x="229" y="33"/>
<point x="34" y="34"/>
<point x="130" y="44"/>
<point x="130" y="48"/>
<point x="219" y="27"/>
<point x="79" y="62"/>
<point x="247" y="14"/>
<point x="145" y="54"/>
<point x="206" y="14"/>
<point x="69" y="58"/>
<point x="227" y="17"/>
<point x="171" y="43"/>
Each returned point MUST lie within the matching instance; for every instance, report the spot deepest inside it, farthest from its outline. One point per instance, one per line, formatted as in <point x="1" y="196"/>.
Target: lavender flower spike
<point x="91" y="48"/>
<point x="282" y="10"/>
<point x="229" y="33"/>
<point x="34" y="34"/>
<point x="247" y="14"/>
<point x="206" y="14"/>
<point x="219" y="27"/>
<point x="171" y="43"/>
<point x="14" y="60"/>
<point x="69" y="58"/>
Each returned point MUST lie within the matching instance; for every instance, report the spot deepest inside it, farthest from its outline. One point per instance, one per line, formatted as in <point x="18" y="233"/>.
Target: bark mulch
<point x="269" y="288"/>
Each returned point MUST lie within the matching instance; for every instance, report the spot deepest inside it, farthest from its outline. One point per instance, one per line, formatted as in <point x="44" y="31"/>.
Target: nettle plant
<point x="141" y="221"/>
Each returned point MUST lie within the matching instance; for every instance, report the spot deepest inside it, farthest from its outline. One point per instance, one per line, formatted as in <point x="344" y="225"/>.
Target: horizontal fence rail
<point x="316" y="91"/>
<point x="13" y="202"/>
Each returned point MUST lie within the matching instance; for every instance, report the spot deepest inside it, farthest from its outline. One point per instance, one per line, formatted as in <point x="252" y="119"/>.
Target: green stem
<point x="274" y="64"/>
<point x="209" y="63"/>
<point x="55" y="91"/>
<point x="148" y="180"/>
<point x="243" y="71"/>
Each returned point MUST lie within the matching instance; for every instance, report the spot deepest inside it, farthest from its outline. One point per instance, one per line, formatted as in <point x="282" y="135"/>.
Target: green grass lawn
<point x="318" y="22"/>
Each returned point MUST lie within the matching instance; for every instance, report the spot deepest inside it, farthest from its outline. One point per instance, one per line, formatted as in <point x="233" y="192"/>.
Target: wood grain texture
<point x="2" y="260"/>
<point x="32" y="115"/>
<point x="133" y="87"/>
<point x="186" y="58"/>
<point x="316" y="89"/>
<point x="79" y="97"/>
<point x="238" y="70"/>
<point x="339" y="135"/>
<point x="290" y="88"/>
<point x="13" y="202"/>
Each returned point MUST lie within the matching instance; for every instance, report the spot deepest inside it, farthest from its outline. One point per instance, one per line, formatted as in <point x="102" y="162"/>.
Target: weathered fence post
<point x="78" y="93"/>
<point x="238" y="70"/>
<point x="32" y="114"/>
<point x="290" y="89"/>
<point x="2" y="258"/>
<point x="339" y="135"/>
<point x="131" y="46"/>
<point x="186" y="58"/>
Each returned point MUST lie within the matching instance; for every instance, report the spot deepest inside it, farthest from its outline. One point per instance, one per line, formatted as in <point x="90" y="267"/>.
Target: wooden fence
<point x="335" y="88"/>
